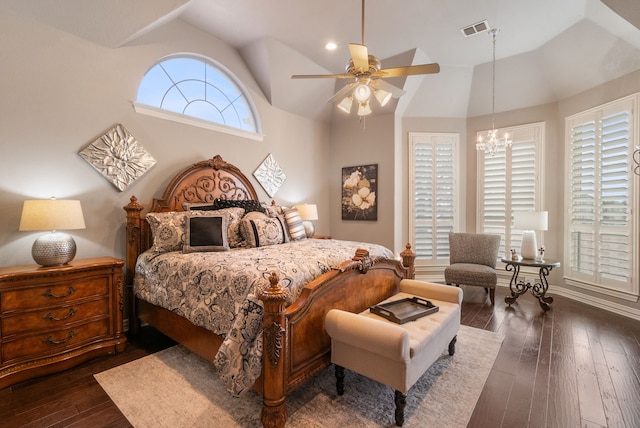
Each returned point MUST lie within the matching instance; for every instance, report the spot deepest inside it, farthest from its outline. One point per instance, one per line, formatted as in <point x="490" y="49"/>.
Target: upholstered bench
<point x="396" y="355"/>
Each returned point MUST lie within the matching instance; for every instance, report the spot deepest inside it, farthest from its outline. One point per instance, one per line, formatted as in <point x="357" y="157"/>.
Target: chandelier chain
<point x="491" y="142"/>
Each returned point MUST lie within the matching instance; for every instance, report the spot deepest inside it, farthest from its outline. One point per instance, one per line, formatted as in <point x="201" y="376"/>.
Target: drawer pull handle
<point x="51" y="340"/>
<point x="49" y="293"/>
<point x="50" y="316"/>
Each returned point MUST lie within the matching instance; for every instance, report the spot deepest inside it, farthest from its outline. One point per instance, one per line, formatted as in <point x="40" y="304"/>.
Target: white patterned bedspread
<point x="219" y="291"/>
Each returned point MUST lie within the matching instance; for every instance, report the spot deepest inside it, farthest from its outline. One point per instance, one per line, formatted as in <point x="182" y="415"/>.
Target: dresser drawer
<point x="54" y="293"/>
<point x="48" y="318"/>
<point x="43" y="344"/>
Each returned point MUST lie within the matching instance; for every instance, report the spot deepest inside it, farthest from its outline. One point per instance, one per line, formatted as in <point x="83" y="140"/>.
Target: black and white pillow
<point x="202" y="206"/>
<point x="294" y="224"/>
<point x="234" y="234"/>
<point x="248" y="204"/>
<point x="206" y="232"/>
<point x="264" y="231"/>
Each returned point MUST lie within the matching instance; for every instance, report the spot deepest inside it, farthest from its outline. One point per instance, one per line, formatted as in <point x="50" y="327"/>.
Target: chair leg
<point x="492" y="296"/>
<point x="452" y="345"/>
<point x="401" y="402"/>
<point x="339" y="379"/>
<point x="486" y="290"/>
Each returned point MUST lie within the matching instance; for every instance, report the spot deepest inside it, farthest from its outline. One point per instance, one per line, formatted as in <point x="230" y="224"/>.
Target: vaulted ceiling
<point x="547" y="50"/>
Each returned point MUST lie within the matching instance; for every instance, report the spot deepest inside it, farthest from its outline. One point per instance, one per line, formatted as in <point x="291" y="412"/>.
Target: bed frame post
<point x="408" y="261"/>
<point x="134" y="246"/>
<point x="274" y="340"/>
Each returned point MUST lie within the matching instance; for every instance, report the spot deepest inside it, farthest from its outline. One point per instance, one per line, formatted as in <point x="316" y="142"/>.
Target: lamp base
<point x="529" y="246"/>
<point x="309" y="228"/>
<point x="53" y="249"/>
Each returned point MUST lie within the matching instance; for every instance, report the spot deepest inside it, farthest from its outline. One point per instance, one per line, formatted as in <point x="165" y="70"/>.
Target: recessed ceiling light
<point x="331" y="46"/>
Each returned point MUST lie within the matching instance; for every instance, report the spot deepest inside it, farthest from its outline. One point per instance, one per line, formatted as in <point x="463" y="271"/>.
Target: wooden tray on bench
<point x="405" y="310"/>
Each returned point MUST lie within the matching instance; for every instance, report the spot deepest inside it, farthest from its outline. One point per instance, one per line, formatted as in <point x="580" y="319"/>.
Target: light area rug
<point x="176" y="388"/>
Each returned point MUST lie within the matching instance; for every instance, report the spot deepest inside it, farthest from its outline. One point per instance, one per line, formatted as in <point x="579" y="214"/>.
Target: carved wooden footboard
<point x="294" y="341"/>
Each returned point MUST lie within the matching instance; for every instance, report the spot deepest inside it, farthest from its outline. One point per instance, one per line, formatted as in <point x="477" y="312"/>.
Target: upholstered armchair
<point x="472" y="261"/>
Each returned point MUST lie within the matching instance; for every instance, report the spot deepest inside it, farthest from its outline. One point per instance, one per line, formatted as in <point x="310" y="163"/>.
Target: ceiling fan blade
<point x="322" y="76"/>
<point x="381" y="84"/>
<point x="410" y="70"/>
<point x="341" y="93"/>
<point x="360" y="57"/>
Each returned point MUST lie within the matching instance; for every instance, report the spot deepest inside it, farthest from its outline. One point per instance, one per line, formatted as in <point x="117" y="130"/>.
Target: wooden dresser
<point x="54" y="318"/>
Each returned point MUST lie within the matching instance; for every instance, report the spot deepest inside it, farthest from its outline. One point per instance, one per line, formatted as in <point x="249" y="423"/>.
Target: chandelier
<point x="636" y="160"/>
<point x="491" y="142"/>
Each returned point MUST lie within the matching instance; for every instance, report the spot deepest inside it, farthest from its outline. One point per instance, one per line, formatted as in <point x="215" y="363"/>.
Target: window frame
<point x="531" y="132"/>
<point x="627" y="291"/>
<point x="161" y="113"/>
<point x="452" y="138"/>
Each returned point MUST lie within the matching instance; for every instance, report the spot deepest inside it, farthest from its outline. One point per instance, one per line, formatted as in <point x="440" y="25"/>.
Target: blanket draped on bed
<point x="219" y="291"/>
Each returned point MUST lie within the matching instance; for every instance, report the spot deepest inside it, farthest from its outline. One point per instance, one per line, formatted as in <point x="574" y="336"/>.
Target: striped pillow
<point x="294" y="224"/>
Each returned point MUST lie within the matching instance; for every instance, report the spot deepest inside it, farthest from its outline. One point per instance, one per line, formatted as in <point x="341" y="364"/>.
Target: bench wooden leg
<point x="452" y="345"/>
<point x="339" y="379"/>
<point x="401" y="402"/>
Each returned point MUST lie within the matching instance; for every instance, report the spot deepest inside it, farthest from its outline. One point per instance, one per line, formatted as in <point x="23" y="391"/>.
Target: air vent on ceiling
<point x="476" y="28"/>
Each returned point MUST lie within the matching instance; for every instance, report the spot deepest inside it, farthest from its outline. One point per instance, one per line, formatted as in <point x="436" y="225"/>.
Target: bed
<point x="291" y="344"/>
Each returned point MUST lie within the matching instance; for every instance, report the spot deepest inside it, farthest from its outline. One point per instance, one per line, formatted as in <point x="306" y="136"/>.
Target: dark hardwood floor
<point x="573" y="366"/>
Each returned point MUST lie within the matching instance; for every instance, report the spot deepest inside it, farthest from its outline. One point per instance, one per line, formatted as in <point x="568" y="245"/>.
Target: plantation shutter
<point x="433" y="194"/>
<point x="510" y="183"/>
<point x="600" y="197"/>
<point x="496" y="196"/>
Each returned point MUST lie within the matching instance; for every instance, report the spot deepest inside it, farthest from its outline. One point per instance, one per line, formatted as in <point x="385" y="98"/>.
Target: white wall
<point x="60" y="93"/>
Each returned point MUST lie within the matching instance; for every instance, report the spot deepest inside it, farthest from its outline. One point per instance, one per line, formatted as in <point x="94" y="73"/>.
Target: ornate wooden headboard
<point x="201" y="182"/>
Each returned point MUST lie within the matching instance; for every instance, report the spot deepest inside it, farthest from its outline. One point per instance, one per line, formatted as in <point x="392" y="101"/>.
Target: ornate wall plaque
<point x="118" y="157"/>
<point x="270" y="175"/>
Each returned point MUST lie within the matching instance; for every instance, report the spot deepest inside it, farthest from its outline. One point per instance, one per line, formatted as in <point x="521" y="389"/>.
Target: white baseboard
<point x="616" y="308"/>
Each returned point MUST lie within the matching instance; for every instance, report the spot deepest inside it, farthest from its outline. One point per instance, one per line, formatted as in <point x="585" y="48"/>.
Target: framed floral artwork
<point x="359" y="192"/>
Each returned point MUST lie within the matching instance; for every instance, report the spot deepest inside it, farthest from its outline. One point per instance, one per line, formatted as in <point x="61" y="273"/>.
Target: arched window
<point x="186" y="86"/>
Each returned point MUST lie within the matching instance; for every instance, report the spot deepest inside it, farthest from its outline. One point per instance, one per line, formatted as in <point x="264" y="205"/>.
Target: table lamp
<point x="308" y="213"/>
<point x="529" y="222"/>
<point x="54" y="248"/>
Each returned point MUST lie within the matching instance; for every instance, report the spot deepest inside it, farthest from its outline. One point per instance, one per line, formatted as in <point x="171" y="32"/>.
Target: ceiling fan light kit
<point x="491" y="143"/>
<point x="367" y="77"/>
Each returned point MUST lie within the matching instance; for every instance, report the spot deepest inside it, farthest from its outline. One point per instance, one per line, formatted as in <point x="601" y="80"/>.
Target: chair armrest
<point x="375" y="336"/>
<point x="430" y="290"/>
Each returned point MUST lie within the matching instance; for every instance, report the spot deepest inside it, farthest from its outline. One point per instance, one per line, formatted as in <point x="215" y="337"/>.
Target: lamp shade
<point x="54" y="248"/>
<point x="51" y="214"/>
<point x="307" y="211"/>
<point x="362" y="92"/>
<point x="382" y="96"/>
<point x="531" y="220"/>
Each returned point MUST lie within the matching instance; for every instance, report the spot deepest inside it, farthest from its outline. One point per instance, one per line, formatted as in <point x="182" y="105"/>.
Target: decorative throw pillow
<point x="203" y="206"/>
<point x="272" y="210"/>
<point x="206" y="232"/>
<point x="245" y="232"/>
<point x="248" y="204"/>
<point x="260" y="232"/>
<point x="167" y="230"/>
<point x="294" y="224"/>
<point x="234" y="234"/>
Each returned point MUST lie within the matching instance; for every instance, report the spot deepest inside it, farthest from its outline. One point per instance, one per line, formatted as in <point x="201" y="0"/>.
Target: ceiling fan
<point x="367" y="74"/>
